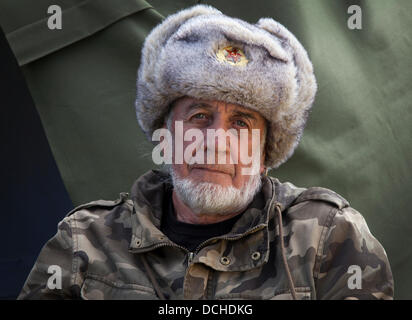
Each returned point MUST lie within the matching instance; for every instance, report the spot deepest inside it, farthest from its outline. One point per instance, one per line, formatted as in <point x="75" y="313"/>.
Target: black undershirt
<point x="188" y="235"/>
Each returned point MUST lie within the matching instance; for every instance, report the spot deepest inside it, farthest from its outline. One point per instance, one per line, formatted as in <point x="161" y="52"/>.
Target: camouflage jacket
<point x="115" y="250"/>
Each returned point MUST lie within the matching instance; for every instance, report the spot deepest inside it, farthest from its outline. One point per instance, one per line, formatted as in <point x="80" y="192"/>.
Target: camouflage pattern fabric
<point x="99" y="247"/>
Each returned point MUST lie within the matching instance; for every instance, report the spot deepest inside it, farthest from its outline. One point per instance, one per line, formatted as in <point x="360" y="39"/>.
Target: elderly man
<point x="206" y="227"/>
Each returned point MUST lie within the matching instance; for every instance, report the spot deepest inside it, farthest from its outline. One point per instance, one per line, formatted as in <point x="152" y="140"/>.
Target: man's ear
<point x="263" y="170"/>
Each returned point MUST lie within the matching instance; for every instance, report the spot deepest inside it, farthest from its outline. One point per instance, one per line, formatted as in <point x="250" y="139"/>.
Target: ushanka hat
<point x="202" y="53"/>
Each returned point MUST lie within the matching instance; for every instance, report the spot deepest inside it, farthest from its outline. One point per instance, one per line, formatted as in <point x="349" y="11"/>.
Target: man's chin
<point x="207" y="194"/>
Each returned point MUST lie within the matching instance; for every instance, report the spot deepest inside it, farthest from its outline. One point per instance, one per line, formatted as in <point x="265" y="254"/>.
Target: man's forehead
<point x="187" y="104"/>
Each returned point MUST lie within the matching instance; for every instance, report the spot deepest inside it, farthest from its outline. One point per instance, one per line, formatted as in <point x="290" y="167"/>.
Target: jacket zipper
<point x="190" y="257"/>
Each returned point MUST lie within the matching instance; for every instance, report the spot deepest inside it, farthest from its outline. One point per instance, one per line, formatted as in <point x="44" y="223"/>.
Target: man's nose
<point x="218" y="141"/>
<point x="214" y="132"/>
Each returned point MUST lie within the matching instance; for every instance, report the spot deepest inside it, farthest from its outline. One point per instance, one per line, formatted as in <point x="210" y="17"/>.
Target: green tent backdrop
<point x="357" y="141"/>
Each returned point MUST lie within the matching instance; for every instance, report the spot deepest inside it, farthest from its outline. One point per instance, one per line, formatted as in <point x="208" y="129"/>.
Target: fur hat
<point x="202" y="53"/>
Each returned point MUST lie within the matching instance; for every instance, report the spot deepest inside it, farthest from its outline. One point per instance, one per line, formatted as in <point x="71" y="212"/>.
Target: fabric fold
<point x="36" y="40"/>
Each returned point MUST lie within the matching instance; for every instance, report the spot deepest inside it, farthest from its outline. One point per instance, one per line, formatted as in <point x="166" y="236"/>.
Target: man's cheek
<point x="250" y="152"/>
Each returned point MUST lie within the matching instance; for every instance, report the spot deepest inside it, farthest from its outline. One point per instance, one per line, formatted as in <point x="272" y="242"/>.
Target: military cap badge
<point x="232" y="55"/>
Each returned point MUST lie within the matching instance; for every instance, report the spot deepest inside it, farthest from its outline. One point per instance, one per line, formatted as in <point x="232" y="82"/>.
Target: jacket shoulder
<point x="323" y="194"/>
<point x="109" y="204"/>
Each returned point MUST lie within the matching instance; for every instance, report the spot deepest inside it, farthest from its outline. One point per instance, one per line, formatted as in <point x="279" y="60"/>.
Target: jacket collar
<point x="148" y="194"/>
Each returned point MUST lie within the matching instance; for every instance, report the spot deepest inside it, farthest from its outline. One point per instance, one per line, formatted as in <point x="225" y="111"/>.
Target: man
<point x="213" y="225"/>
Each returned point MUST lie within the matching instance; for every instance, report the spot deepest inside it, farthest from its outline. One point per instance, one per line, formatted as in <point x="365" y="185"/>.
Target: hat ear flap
<point x="304" y="68"/>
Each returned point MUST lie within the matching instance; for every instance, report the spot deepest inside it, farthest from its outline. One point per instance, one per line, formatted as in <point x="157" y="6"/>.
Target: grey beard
<point x="211" y="198"/>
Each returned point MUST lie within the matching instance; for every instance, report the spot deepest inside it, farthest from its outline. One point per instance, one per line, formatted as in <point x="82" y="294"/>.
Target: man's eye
<point x="241" y="123"/>
<point x="200" y="116"/>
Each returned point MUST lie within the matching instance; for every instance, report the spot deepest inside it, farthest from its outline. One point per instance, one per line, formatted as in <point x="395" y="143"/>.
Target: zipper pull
<point x="190" y="258"/>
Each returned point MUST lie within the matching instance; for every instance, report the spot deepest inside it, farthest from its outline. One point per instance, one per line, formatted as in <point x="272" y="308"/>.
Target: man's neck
<point x="185" y="214"/>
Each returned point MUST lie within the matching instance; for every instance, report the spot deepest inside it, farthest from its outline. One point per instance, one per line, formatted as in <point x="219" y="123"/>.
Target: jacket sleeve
<point x="352" y="263"/>
<point x="53" y="276"/>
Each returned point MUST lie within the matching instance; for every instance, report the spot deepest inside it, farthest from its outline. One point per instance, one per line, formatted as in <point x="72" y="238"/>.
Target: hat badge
<point x="232" y="55"/>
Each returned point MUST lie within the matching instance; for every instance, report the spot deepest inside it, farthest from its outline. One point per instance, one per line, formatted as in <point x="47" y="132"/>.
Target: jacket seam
<point x="322" y="242"/>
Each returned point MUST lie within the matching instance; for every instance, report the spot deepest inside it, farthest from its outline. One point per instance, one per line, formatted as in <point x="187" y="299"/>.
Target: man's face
<point x="203" y="115"/>
<point x="222" y="182"/>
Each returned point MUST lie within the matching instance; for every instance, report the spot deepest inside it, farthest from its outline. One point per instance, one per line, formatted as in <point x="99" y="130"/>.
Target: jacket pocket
<point x="99" y="288"/>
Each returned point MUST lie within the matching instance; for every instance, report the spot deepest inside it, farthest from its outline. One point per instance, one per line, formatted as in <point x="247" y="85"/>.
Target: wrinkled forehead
<point x="186" y="105"/>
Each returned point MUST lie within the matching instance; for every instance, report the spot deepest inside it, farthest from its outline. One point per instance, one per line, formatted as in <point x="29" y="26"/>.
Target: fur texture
<point x="179" y="59"/>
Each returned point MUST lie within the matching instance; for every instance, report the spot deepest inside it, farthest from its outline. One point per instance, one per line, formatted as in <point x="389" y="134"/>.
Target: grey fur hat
<point x="202" y="53"/>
